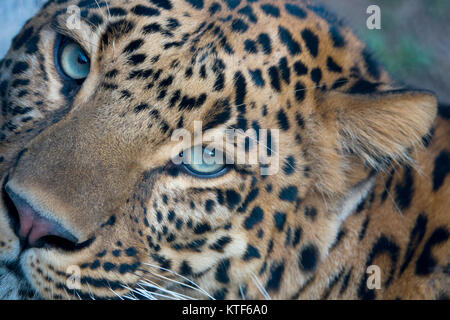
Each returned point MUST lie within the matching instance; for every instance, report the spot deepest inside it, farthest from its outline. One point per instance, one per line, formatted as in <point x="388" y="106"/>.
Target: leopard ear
<point x="382" y="125"/>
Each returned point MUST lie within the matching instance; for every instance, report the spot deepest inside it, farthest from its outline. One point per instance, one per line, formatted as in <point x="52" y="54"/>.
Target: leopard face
<point x="93" y="205"/>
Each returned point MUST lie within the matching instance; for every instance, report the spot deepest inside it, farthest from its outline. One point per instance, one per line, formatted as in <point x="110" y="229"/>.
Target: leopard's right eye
<point x="73" y="60"/>
<point x="203" y="162"/>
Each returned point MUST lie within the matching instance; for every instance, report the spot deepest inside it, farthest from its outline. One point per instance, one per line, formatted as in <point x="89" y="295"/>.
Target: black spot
<point x="265" y="42"/>
<point x="345" y="281"/>
<point x="202" y="228"/>
<point x="164" y="4"/>
<point x="441" y="169"/>
<point x="108" y="266"/>
<point x="289" y="165"/>
<point x="137" y="59"/>
<point x="308" y="258"/>
<point x="131" y="252"/>
<point x="240" y="88"/>
<point x="279" y="220"/>
<point x="297" y="236"/>
<point x="163" y="262"/>
<point x="140" y="10"/>
<point x="300" y="120"/>
<point x="209" y="205"/>
<point x="239" y="26"/>
<point x="316" y="75"/>
<point x="300" y="91"/>
<point x="248" y="199"/>
<point x="286" y="38"/>
<point x="251" y="253"/>
<point x="250" y="46"/>
<point x="233" y="4"/>
<point x="222" y="271"/>
<point x="254" y="218"/>
<point x="215" y="7"/>
<point x="363" y="231"/>
<point x="233" y="198"/>
<point x="142" y="74"/>
<point x="271" y="10"/>
<point x="295" y="11"/>
<point x="285" y="71"/>
<point x="257" y="78"/>
<point x="115" y="30"/>
<point x="197" y="4"/>
<point x="179" y="224"/>
<point x="336" y="37"/>
<point x="333" y="66"/>
<point x="152" y="28"/>
<point x="248" y="11"/>
<point x="189" y="103"/>
<point x="222" y="293"/>
<point x="141" y="107"/>
<point x="415" y="238"/>
<point x="405" y="190"/>
<point x="116" y="253"/>
<point x="117" y="12"/>
<point x="220" y="244"/>
<point x="159" y="216"/>
<point x="112" y="73"/>
<point x="282" y="120"/>
<point x="288" y="193"/>
<point x="101" y="254"/>
<point x="171" y="216"/>
<point x="20" y="67"/>
<point x="310" y="212"/>
<point x="276" y="273"/>
<point x="426" y="263"/>
<point x="110" y="222"/>
<point x="185" y="269"/>
<point x="311" y="41"/>
<point x="133" y="46"/>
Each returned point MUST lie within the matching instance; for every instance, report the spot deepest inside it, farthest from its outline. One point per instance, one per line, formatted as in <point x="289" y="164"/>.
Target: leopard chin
<point x="13" y="285"/>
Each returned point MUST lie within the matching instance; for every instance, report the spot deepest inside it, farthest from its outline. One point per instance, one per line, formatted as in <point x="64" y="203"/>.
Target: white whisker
<point x="183" y="284"/>
<point x="260" y="287"/>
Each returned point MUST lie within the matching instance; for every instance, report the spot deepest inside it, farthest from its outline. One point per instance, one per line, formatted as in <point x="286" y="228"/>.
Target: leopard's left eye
<point x="73" y="60"/>
<point x="203" y="162"/>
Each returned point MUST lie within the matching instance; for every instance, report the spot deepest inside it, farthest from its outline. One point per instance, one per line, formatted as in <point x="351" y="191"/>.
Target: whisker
<point x="179" y="275"/>
<point x="241" y="291"/>
<point x="260" y="287"/>
<point x="178" y="282"/>
<point x="151" y="284"/>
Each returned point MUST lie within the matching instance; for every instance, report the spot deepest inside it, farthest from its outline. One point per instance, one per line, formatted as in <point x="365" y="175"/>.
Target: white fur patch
<point x="354" y="198"/>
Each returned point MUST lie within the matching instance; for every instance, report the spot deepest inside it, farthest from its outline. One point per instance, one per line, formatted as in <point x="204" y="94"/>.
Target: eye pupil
<point x="82" y="58"/>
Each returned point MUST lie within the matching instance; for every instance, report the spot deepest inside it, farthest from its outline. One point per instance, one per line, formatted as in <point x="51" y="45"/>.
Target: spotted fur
<point x="363" y="176"/>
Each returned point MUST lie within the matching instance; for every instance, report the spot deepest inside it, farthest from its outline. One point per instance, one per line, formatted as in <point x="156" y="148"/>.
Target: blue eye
<point x="203" y="162"/>
<point x="73" y="61"/>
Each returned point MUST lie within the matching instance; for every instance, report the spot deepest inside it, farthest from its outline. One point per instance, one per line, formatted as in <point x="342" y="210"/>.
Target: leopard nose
<point x="34" y="229"/>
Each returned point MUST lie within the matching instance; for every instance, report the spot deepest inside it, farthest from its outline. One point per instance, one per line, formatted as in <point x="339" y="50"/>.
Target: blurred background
<point x="413" y="43"/>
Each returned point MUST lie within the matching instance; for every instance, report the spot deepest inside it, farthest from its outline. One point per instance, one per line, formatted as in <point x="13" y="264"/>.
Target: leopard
<point x="94" y="206"/>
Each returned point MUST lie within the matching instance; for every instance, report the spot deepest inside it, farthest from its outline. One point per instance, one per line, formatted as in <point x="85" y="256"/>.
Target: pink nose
<point x="34" y="227"/>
